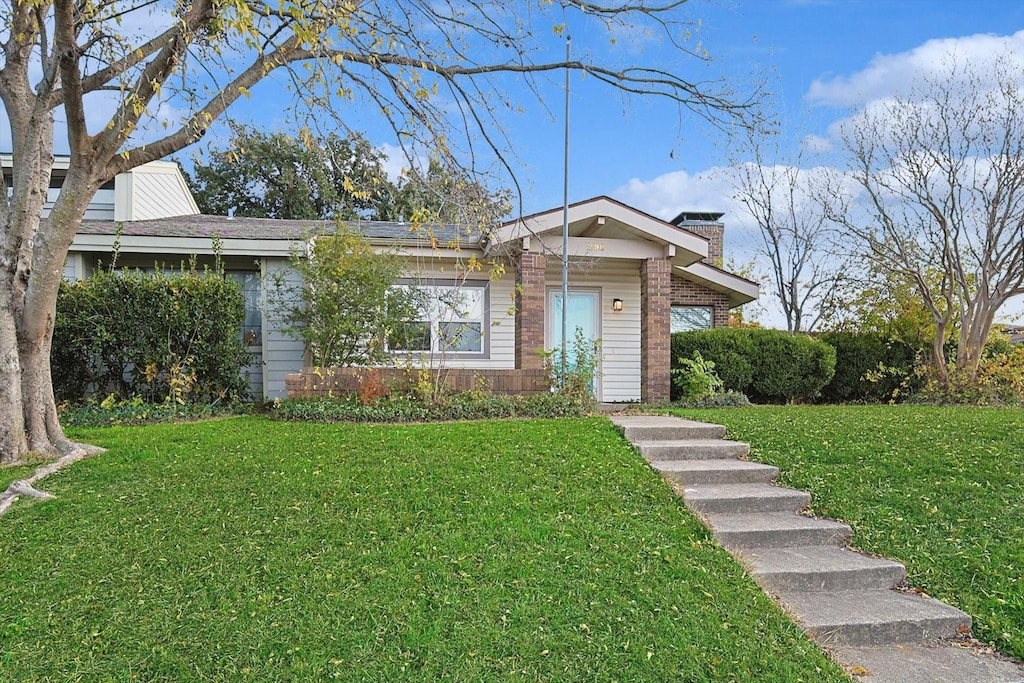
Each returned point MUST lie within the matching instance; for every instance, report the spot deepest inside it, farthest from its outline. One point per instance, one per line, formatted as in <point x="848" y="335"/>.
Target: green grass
<point x="12" y="473"/>
<point x="940" y="489"/>
<point x="250" y="549"/>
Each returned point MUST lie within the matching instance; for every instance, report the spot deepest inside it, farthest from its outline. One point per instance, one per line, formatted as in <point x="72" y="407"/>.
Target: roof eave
<point x="739" y="290"/>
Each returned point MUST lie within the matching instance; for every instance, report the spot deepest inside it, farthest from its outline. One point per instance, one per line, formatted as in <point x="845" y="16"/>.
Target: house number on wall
<point x="595" y="246"/>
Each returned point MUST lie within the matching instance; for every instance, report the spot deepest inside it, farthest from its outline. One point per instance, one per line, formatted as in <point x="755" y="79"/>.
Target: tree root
<point x="72" y="453"/>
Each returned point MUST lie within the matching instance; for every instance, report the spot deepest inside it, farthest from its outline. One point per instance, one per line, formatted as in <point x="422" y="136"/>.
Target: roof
<point x="604" y="217"/>
<point x="739" y="289"/>
<point x="206" y="227"/>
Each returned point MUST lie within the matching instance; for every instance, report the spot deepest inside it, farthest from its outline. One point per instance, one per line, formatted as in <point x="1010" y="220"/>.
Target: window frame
<point x="436" y="348"/>
<point x="710" y="311"/>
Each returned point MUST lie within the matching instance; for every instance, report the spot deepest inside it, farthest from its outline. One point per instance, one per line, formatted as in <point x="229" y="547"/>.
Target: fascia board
<point x="695" y="245"/>
<point x="739" y="290"/>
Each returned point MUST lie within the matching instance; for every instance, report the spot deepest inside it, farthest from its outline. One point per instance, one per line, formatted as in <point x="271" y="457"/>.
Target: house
<point x="633" y="279"/>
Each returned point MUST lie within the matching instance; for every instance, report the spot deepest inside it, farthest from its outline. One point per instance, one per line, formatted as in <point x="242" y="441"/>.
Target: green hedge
<point x="463" y="406"/>
<point x="769" y="366"/>
<point x="153" y="335"/>
<point x="890" y="363"/>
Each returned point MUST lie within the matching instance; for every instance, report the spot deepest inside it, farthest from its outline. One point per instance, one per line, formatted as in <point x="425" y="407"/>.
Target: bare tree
<point x="941" y="173"/>
<point x="794" y="233"/>
<point x="433" y="70"/>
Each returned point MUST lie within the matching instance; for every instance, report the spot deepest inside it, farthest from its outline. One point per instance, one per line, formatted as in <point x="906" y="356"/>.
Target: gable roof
<point x="605" y="217"/>
<point x="739" y="290"/>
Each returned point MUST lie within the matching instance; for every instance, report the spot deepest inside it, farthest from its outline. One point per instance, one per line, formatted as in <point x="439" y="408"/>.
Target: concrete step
<point x="873" y="617"/>
<point x="716" y="471"/>
<point x="665" y="427"/>
<point x="742" y="498"/>
<point x="692" y="449"/>
<point x="926" y="664"/>
<point x="820" y="568"/>
<point x="776" y="530"/>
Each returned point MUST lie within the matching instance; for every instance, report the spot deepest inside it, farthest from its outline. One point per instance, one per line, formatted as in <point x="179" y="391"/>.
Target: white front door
<point x="584" y="313"/>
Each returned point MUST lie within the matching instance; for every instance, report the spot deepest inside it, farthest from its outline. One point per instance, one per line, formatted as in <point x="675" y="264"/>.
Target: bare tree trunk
<point x="28" y="302"/>
<point x="42" y="427"/>
<point x="12" y="427"/>
<point x="939" y="356"/>
<point x="974" y="331"/>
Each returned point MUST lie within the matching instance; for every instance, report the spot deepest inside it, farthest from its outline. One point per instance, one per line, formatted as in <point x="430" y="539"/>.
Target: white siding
<point x="620" y="331"/>
<point x="154" y="190"/>
<point x="500" y="328"/>
<point x="282" y="353"/>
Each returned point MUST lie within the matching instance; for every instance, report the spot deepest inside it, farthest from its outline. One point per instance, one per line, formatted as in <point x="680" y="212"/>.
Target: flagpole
<point x="565" y="220"/>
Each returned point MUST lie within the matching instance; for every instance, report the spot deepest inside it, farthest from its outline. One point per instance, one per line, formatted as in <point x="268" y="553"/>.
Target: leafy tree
<point x="343" y="306"/>
<point x="433" y="71"/>
<point x="275" y="175"/>
<point x="887" y="303"/>
<point x="941" y="172"/>
<point x="446" y="195"/>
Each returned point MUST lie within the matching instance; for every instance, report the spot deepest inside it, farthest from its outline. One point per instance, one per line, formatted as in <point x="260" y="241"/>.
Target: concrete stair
<point x="841" y="598"/>
<point x="694" y="472"/>
<point x="776" y="530"/>
<point x="744" y="498"/>
<point x="692" y="449"/>
<point x="820" y="568"/>
<point x="874" y="617"/>
<point x="657" y="428"/>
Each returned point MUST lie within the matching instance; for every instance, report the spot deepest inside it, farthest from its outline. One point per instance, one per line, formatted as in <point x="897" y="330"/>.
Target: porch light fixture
<point x="616" y="305"/>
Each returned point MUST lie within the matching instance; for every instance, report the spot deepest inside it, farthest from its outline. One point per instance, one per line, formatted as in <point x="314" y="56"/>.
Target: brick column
<point x="655" y="339"/>
<point x="529" y="310"/>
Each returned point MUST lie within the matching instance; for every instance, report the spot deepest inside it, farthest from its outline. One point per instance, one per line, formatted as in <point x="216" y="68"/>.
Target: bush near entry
<point x="769" y="366"/>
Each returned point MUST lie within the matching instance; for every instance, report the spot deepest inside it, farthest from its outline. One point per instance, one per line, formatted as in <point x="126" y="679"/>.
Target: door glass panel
<point x="582" y="314"/>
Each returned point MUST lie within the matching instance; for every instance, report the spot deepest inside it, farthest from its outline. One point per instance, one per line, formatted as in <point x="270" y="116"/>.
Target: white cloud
<point x="817" y="144"/>
<point x="895" y="74"/>
<point x="667" y="195"/>
<point x="397" y="162"/>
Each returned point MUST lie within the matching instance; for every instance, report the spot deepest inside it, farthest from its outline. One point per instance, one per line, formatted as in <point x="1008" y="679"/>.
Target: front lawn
<point x="940" y="489"/>
<point x="250" y="549"/>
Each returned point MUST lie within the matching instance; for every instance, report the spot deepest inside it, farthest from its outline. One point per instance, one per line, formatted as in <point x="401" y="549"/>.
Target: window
<point x="453" y="318"/>
<point x="690" y="318"/>
<point x="249" y="283"/>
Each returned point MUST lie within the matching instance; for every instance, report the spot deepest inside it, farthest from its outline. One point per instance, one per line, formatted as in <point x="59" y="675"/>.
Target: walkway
<point x="849" y="603"/>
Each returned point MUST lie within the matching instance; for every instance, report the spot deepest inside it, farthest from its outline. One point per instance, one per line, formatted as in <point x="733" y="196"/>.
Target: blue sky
<point x="641" y="152"/>
<point x="824" y="59"/>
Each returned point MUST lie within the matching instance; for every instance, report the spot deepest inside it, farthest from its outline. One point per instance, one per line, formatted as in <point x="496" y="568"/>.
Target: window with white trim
<point x="453" y="319"/>
<point x="690" y="318"/>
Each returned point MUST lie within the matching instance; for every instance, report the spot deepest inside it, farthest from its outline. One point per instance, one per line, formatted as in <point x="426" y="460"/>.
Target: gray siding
<point x="282" y="353"/>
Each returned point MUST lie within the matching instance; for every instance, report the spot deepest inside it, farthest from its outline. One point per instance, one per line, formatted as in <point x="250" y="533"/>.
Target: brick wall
<point x="686" y="293"/>
<point x="655" y="351"/>
<point x="529" y="310"/>
<point x="317" y="382"/>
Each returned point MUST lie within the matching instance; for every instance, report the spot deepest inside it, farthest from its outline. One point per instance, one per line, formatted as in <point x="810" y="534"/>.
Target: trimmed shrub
<point x="769" y="366"/>
<point x="870" y="368"/>
<point x="111" y="412"/>
<point x="464" y="406"/>
<point x="155" y="336"/>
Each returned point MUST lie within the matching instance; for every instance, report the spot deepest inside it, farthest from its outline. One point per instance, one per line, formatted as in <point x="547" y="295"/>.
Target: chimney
<point x="706" y="224"/>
